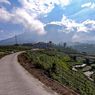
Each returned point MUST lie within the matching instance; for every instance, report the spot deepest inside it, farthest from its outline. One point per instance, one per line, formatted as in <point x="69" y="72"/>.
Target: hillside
<point x="58" y="66"/>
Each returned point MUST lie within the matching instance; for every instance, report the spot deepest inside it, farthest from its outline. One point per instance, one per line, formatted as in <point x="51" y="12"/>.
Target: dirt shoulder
<point x="39" y="74"/>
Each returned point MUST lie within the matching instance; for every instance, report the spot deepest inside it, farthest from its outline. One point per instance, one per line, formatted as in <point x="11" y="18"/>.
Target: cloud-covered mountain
<point x="44" y="20"/>
<point x="28" y="37"/>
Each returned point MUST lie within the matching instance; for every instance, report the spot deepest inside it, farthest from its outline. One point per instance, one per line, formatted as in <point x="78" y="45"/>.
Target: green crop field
<point x="58" y="66"/>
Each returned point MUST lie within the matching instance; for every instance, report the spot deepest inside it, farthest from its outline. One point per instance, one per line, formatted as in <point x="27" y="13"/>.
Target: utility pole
<point x="16" y="42"/>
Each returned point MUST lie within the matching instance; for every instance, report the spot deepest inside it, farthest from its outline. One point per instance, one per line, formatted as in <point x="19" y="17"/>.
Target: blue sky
<point x="57" y="20"/>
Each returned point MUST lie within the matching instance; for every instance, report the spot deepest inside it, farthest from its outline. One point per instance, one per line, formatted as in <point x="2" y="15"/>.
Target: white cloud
<point x="71" y="25"/>
<point x="43" y="6"/>
<point x="88" y="5"/>
<point x="29" y="12"/>
<point x="38" y="6"/>
<point x="90" y="24"/>
<point x="86" y="26"/>
<point x="5" y="15"/>
<point x="82" y="28"/>
<point x="93" y="6"/>
<point x="88" y="21"/>
<point x="65" y="2"/>
<point x="68" y="22"/>
<point x="82" y="37"/>
<point x="5" y="1"/>
<point x="29" y="21"/>
<point x="21" y="16"/>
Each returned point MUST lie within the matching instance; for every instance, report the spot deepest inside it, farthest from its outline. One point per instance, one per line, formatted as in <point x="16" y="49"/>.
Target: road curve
<point x="15" y="80"/>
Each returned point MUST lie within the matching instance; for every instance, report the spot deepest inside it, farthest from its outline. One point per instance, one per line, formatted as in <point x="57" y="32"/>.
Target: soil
<point x="40" y="75"/>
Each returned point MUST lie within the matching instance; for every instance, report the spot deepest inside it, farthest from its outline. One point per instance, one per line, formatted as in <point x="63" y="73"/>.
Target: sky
<point x="57" y="20"/>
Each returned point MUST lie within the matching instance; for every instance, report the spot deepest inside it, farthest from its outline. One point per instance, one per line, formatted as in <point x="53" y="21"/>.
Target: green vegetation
<point x="58" y="66"/>
<point x="4" y="50"/>
<point x="13" y="48"/>
<point x="93" y="77"/>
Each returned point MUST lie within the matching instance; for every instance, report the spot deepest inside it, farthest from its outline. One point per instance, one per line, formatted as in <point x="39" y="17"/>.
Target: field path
<point x="15" y="80"/>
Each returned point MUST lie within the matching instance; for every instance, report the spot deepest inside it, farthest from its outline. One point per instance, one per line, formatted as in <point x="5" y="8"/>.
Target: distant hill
<point x="29" y="37"/>
<point x="9" y="41"/>
<point x="22" y="38"/>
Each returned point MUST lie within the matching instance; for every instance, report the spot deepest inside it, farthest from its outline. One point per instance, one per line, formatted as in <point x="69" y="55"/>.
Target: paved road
<point x="15" y="80"/>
